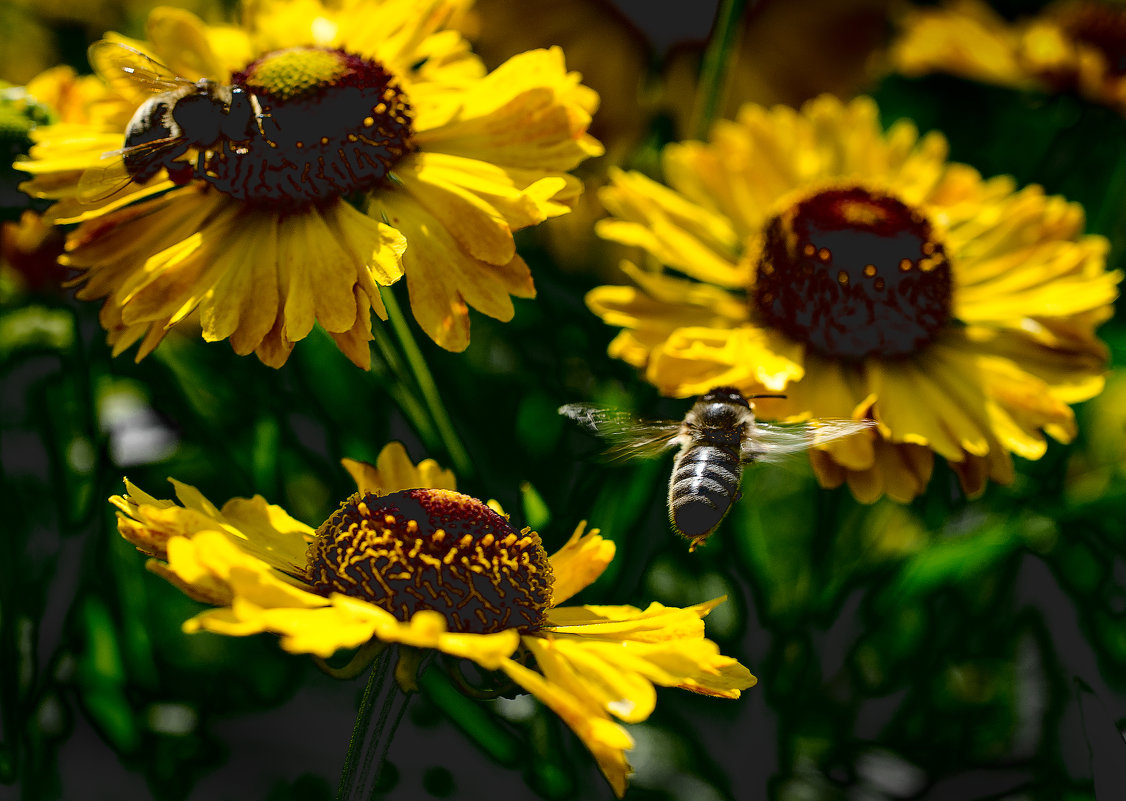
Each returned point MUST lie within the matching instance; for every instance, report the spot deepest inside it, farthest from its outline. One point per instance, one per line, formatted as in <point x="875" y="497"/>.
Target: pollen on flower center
<point x="852" y="273"/>
<point x="307" y="125"/>
<point x="296" y="72"/>
<point x="434" y="549"/>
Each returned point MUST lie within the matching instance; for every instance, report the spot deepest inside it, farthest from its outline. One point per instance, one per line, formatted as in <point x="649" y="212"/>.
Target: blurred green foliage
<point x="943" y="649"/>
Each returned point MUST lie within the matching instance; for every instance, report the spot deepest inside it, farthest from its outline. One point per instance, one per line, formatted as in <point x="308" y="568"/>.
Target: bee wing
<point x="110" y="177"/>
<point x="128" y="69"/>
<point x="629" y="437"/>
<point x="771" y="442"/>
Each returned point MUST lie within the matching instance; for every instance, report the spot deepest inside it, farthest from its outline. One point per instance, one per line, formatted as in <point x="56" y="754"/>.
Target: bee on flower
<point x="276" y="174"/>
<point x="407" y="559"/>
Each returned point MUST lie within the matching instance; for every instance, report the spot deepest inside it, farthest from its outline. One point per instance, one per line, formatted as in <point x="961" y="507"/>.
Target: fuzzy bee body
<point x="216" y="120"/>
<point x="704" y="483"/>
<point x="717" y="438"/>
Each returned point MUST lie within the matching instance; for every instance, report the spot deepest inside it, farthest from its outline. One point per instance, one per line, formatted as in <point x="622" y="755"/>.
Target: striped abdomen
<point x="704" y="483"/>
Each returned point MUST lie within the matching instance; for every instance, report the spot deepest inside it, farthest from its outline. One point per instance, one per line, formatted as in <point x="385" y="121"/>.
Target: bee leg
<point x="180" y="172"/>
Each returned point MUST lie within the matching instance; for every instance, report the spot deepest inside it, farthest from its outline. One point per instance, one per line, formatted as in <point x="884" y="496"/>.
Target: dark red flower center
<point x="434" y="549"/>
<point x="853" y="273"/>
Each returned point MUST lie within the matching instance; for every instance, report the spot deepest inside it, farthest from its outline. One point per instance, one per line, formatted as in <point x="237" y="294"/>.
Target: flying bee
<point x="717" y="437"/>
<point x="177" y="116"/>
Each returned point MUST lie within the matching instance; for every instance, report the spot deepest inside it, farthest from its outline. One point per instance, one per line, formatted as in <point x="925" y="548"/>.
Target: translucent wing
<point x="111" y="176"/>
<point x="771" y="442"/>
<point x="629" y="437"/>
<point x="128" y="69"/>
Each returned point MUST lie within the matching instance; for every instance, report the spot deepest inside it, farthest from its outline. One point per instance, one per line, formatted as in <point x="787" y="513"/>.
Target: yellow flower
<point x="409" y="560"/>
<point x="1073" y="45"/>
<point x="243" y="203"/>
<point x="864" y="276"/>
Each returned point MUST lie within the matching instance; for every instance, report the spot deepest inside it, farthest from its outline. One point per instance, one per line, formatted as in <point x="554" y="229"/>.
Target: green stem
<point x="400" y="390"/>
<point x="461" y="464"/>
<point x="716" y="65"/>
<point x="381" y="711"/>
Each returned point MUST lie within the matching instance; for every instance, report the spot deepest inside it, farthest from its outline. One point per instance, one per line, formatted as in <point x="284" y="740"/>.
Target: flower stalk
<point x="716" y="65"/>
<point x="427" y="388"/>
<point x="381" y="711"/>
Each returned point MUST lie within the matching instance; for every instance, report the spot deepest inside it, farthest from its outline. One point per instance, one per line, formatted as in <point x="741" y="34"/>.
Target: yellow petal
<point x="605" y="739"/>
<point x="180" y="40"/>
<point x="581" y="560"/>
<point x="244" y="302"/>
<point x="655" y="623"/>
<point x="528" y="113"/>
<point x="480" y="230"/>
<point x="443" y="279"/>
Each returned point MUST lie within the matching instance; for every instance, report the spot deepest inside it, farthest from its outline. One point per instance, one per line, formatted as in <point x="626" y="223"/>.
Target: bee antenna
<point x="756" y="397"/>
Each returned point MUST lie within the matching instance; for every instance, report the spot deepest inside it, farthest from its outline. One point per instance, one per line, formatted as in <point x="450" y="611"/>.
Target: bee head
<point x="725" y="395"/>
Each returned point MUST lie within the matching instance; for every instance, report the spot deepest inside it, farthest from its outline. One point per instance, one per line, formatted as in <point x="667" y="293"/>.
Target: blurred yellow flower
<point x="864" y="276"/>
<point x="1075" y="45"/>
<point x="359" y="104"/>
<point x="409" y="560"/>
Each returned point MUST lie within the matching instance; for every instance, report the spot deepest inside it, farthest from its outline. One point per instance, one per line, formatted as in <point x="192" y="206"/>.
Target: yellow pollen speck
<point x="809" y="249"/>
<point x="363" y="509"/>
<point x="824" y="254"/>
<point x="369" y="121"/>
<point x="324" y="140"/>
<point x="870" y="270"/>
<point x="300" y="144"/>
<point x="389" y="519"/>
<point x="905" y="264"/>
<point x="928" y="248"/>
<point x="842" y="278"/>
<point x="380" y="108"/>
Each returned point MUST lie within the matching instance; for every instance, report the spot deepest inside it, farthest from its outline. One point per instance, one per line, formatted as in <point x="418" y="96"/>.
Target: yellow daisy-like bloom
<point x="409" y="560"/>
<point x="239" y="197"/>
<point x="1075" y="45"/>
<point x="864" y="276"/>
